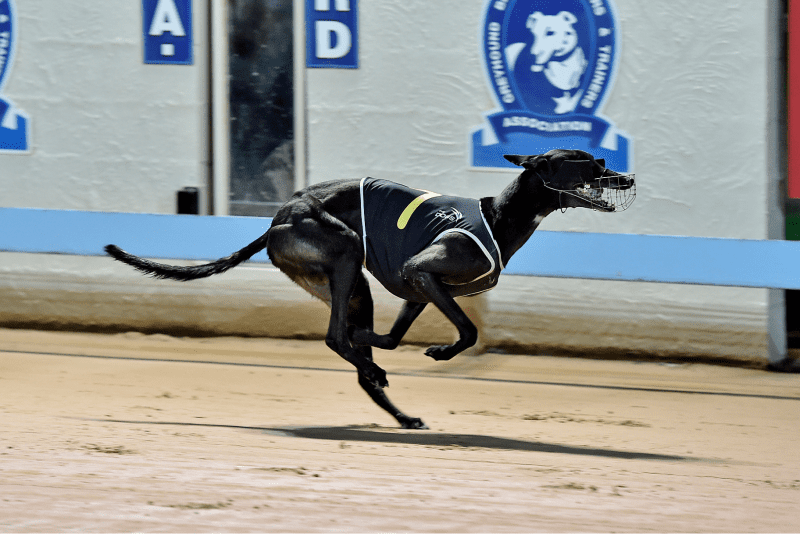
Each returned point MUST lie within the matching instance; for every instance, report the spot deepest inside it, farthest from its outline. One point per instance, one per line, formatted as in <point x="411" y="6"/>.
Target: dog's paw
<point x="441" y="352"/>
<point x="376" y="375"/>
<point x="413" y="423"/>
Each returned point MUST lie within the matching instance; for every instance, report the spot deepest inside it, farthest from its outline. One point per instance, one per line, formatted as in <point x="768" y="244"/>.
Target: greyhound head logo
<point x="553" y="36"/>
<point x="556" y="54"/>
<point x="550" y="64"/>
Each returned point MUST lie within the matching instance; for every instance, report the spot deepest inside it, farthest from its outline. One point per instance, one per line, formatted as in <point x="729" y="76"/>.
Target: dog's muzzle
<point x="607" y="194"/>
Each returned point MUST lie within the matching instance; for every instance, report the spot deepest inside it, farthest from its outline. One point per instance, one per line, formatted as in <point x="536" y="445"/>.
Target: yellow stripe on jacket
<point x="414" y="204"/>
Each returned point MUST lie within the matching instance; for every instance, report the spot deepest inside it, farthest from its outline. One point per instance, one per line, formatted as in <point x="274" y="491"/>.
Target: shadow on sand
<point x="424" y="438"/>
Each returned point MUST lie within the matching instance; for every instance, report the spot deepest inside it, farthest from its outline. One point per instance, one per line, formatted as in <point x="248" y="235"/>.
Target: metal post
<point x="220" y="108"/>
<point x="300" y="141"/>
<point x="777" y="347"/>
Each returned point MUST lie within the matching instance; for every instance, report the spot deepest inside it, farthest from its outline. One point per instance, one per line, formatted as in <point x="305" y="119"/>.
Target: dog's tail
<point x="183" y="274"/>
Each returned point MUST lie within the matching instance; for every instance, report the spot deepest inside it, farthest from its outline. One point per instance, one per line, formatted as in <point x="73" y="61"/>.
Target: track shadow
<point x="435" y="439"/>
<point x="423" y="438"/>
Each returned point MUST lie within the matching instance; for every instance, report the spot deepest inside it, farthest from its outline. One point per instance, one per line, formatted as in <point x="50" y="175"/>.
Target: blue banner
<point x="13" y="128"/>
<point x="589" y="126"/>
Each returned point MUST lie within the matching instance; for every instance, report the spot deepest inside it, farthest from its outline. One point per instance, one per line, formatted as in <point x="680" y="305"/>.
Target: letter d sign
<point x="332" y="34"/>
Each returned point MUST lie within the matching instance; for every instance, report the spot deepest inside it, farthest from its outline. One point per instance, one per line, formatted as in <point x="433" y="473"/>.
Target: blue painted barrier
<point x="645" y="258"/>
<point x="85" y="233"/>
<point x="664" y="259"/>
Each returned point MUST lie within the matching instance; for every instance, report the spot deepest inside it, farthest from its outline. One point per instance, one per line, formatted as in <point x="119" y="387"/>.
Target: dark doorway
<point x="261" y="106"/>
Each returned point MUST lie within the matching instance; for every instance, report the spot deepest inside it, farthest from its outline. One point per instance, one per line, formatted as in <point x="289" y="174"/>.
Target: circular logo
<point x="6" y="38"/>
<point x="550" y="57"/>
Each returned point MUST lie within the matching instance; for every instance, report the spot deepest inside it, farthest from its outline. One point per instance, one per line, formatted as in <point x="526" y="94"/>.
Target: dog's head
<point x="580" y="180"/>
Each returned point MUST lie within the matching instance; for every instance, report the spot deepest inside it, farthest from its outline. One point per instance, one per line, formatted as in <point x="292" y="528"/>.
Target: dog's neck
<point x="515" y="213"/>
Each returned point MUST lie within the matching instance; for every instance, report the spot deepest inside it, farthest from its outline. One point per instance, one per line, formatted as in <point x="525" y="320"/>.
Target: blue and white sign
<point x="551" y="65"/>
<point x="168" y="32"/>
<point x="332" y="34"/>
<point x="14" y="123"/>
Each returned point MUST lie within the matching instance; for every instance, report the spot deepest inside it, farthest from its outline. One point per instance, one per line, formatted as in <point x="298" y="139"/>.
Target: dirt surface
<point x="156" y="434"/>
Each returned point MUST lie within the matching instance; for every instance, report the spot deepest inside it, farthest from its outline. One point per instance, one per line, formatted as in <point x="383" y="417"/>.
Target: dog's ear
<point x="571" y="168"/>
<point x="516" y="159"/>
<point x="601" y="161"/>
<point x="529" y="162"/>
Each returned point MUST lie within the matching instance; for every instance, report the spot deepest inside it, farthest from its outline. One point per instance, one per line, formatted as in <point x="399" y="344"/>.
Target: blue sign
<point x="14" y="131"/>
<point x="332" y="34"/>
<point x="168" y="32"/>
<point x="551" y="65"/>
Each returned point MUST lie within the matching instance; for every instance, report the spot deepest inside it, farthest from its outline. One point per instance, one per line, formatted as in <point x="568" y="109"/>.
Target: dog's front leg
<point x="467" y="331"/>
<point x="390" y="341"/>
<point x="454" y="259"/>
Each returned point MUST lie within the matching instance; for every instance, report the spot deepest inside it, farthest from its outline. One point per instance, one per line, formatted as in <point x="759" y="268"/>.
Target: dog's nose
<point x="627" y="181"/>
<point x="613" y="180"/>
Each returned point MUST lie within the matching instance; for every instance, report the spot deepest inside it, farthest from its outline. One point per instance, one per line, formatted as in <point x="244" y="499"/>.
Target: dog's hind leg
<point x="377" y="394"/>
<point x="343" y="277"/>
<point x="327" y="264"/>
<point x="360" y="316"/>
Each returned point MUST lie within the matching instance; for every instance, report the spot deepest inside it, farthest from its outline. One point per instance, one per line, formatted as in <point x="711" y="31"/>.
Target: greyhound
<point x="324" y="234"/>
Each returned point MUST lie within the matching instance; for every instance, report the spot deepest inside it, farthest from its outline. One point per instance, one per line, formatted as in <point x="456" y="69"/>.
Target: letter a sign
<point x="332" y="34"/>
<point x="167" y="31"/>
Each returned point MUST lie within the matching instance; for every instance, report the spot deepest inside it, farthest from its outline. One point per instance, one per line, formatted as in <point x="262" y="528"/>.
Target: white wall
<point x="691" y="91"/>
<point x="112" y="133"/>
<point x="108" y="132"/>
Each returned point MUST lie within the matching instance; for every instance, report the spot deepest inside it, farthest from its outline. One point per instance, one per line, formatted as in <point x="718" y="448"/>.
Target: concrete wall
<point x="694" y="91"/>
<point x="98" y="294"/>
<point x="108" y="132"/>
<point x="691" y="90"/>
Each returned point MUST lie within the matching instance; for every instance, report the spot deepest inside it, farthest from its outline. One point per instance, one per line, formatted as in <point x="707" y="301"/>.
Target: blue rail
<point x="85" y="233"/>
<point x="645" y="258"/>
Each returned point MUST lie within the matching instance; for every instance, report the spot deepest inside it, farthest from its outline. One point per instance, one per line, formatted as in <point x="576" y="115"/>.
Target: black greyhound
<point x="318" y="240"/>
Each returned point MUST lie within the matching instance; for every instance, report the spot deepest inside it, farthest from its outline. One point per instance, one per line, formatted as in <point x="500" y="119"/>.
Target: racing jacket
<point x="398" y="222"/>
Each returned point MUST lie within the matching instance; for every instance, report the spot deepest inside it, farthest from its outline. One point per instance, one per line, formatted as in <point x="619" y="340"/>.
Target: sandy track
<point x="150" y="433"/>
